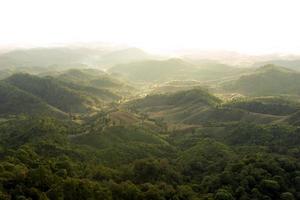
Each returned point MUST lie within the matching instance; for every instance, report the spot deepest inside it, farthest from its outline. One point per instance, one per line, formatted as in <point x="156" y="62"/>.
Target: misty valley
<point x="122" y="124"/>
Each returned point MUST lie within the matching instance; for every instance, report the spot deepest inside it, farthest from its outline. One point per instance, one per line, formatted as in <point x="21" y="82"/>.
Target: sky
<point x="247" y="26"/>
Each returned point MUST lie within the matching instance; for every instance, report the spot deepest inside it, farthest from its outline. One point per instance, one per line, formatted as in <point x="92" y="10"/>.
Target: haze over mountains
<point x="120" y="123"/>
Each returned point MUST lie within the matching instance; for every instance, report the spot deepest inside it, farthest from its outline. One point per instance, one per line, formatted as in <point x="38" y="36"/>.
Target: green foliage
<point x="244" y="149"/>
<point x="14" y="101"/>
<point x="223" y="195"/>
<point x="272" y="106"/>
<point x="195" y="96"/>
<point x="50" y="91"/>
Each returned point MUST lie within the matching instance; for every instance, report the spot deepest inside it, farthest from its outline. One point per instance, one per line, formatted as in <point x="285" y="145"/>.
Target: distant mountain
<point x="154" y="70"/>
<point x="123" y="56"/>
<point x="79" y="75"/>
<point x="67" y="57"/>
<point x="91" y="77"/>
<point x="267" y="80"/>
<point x="176" y="69"/>
<point x="14" y="101"/>
<point x="99" y="80"/>
<point x="44" y="57"/>
<point x="215" y="71"/>
<point x="288" y="63"/>
<point x="175" y="86"/>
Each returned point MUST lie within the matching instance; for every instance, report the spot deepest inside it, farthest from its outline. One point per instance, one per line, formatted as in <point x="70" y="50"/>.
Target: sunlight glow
<point x="250" y="26"/>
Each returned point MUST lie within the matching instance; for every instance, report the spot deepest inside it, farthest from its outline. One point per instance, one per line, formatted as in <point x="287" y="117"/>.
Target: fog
<point x="250" y="26"/>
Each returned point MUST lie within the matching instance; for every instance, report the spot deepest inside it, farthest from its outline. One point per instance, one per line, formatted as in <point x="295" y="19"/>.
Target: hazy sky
<point x="250" y="26"/>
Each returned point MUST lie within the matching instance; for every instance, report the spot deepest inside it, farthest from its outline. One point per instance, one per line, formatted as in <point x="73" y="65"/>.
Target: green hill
<point x="52" y="92"/>
<point x="195" y="106"/>
<point x="79" y="80"/>
<point x="188" y="97"/>
<point x="93" y="93"/>
<point x="79" y="75"/>
<point x="99" y="80"/>
<point x="267" y="80"/>
<point x="265" y="105"/>
<point x="14" y="101"/>
<point x="121" y="144"/>
<point x="90" y="77"/>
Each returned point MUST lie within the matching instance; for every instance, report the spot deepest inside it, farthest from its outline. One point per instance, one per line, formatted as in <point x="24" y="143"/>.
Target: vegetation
<point x="153" y="70"/>
<point x="89" y="134"/>
<point x="267" y="80"/>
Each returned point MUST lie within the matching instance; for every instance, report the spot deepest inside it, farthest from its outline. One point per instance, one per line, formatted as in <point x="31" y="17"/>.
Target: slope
<point x="154" y="70"/>
<point x="14" y="101"/>
<point x="267" y="80"/>
<point x="195" y="106"/>
<point x="52" y="92"/>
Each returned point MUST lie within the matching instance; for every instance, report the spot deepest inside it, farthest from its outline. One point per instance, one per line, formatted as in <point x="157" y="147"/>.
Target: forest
<point x="141" y="127"/>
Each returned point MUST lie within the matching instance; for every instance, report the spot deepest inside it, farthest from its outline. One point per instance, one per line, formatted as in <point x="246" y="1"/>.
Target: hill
<point x="267" y="80"/>
<point x="195" y="96"/>
<point x="119" y="144"/>
<point x="176" y="69"/>
<point x="126" y="55"/>
<point x="194" y="107"/>
<point x="99" y="80"/>
<point x="265" y="105"/>
<point x="79" y="75"/>
<point x="209" y="70"/>
<point x="44" y="57"/>
<point x="293" y="64"/>
<point x="14" y="101"/>
<point x="52" y="92"/>
<point x="154" y="70"/>
<point x="89" y="77"/>
<point x="70" y="57"/>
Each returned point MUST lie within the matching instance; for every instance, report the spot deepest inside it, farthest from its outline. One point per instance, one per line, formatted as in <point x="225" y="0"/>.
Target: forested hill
<point x="267" y="80"/>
